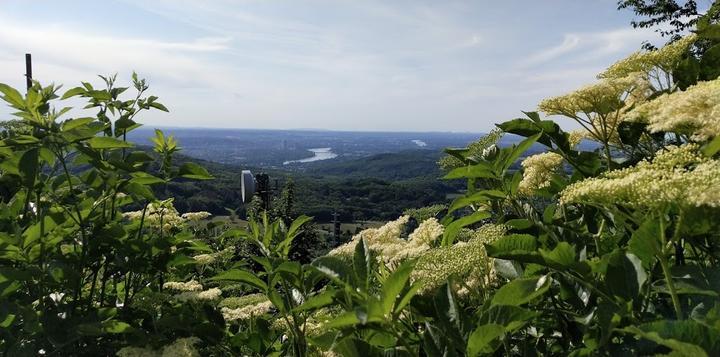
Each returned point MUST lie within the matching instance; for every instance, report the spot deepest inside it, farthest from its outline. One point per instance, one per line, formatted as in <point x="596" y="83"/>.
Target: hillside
<point x="389" y="166"/>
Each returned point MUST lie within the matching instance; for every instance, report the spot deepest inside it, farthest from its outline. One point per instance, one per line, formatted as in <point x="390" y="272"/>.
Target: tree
<point x="680" y="15"/>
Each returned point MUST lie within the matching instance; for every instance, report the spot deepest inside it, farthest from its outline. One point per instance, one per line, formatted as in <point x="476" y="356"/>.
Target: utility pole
<point x="336" y="226"/>
<point x="28" y="70"/>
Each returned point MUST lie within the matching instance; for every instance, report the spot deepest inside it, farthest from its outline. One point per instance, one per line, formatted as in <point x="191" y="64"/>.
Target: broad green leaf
<point x="478" y="170"/>
<point x="687" y="337"/>
<point x="482" y="196"/>
<point x="346" y="319"/>
<point x="645" y="242"/>
<point x="453" y="228"/>
<point x="625" y="275"/>
<point x="28" y="166"/>
<point x="711" y="148"/>
<point x="241" y="276"/>
<point x="514" y="246"/>
<point x="73" y="92"/>
<point x="393" y="285"/>
<point x="12" y="96"/>
<point x="484" y="339"/>
<point x="324" y="298"/>
<point x="105" y="327"/>
<point x="362" y="265"/>
<point x="71" y="124"/>
<point x="106" y="142"/>
<point x="521" y="291"/>
<point x="194" y="171"/>
<point x="510" y="317"/>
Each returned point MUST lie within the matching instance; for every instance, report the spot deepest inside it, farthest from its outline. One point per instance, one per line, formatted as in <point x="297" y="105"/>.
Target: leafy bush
<point x="606" y="252"/>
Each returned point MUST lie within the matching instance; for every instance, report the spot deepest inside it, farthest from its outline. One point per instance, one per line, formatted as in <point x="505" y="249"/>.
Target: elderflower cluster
<point x="161" y="215"/>
<point x="575" y="137"/>
<point x="538" y="172"/>
<point x="244" y="307"/>
<point x="246" y="312"/>
<point x="196" y="216"/>
<point x="205" y="295"/>
<point x="209" y="258"/>
<point x="182" y="347"/>
<point x="389" y="244"/>
<point x="664" y="59"/>
<point x="677" y="176"/>
<point x="467" y="261"/>
<point x="694" y="112"/>
<point x="599" y="107"/>
<point x="191" y="285"/>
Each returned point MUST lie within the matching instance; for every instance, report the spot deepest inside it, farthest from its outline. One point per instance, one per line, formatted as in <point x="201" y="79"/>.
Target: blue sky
<point x="344" y="65"/>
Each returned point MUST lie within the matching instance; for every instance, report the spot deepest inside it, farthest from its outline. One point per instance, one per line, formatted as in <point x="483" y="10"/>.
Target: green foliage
<point x="82" y="273"/>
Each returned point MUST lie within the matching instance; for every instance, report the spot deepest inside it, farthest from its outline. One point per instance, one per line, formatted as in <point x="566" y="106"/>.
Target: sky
<point x="373" y="65"/>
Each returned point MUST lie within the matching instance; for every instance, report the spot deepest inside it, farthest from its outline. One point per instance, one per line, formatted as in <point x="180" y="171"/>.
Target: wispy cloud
<point x="417" y="65"/>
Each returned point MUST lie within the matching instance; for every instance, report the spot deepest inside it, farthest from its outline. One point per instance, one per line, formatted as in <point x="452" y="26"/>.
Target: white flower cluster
<point x="538" y="171"/>
<point x="246" y="312"/>
<point x="182" y="347"/>
<point x="205" y="295"/>
<point x="192" y="291"/>
<point x="599" y="106"/>
<point x="196" y="216"/>
<point x="164" y="213"/>
<point x="209" y="258"/>
<point x="694" y="112"/>
<point x="677" y="176"/>
<point x="245" y="307"/>
<point x="160" y="215"/>
<point x="389" y="245"/>
<point x="191" y="285"/>
<point x="467" y="261"/>
<point x="653" y="63"/>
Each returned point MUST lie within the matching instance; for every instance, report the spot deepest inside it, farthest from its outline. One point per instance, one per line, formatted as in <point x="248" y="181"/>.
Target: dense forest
<point x="378" y="187"/>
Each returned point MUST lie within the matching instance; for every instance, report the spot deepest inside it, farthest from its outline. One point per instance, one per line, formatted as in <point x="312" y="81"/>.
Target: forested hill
<point x="402" y="165"/>
<point x="377" y="187"/>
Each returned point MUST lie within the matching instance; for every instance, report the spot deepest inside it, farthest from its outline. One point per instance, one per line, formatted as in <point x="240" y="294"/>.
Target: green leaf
<point x="12" y="96"/>
<point x="194" y="171"/>
<point x="521" y="291"/>
<point x="453" y="228"/>
<point x="346" y="319"/>
<point x="479" y="170"/>
<point x="514" y="246"/>
<point x="75" y="123"/>
<point x="73" y="92"/>
<point x="362" y="265"/>
<point x="625" y="275"/>
<point x="686" y="337"/>
<point x="159" y="106"/>
<point x="242" y="276"/>
<point x="645" y="242"/>
<point x="510" y="317"/>
<point x="106" y="142"/>
<point x="514" y="153"/>
<point x="711" y="148"/>
<point x="481" y="340"/>
<point x="393" y="285"/>
<point x="481" y="196"/>
<point x="144" y="178"/>
<point x="325" y="298"/>
<point x="105" y="327"/>
<point x="28" y="166"/>
<point x="138" y="190"/>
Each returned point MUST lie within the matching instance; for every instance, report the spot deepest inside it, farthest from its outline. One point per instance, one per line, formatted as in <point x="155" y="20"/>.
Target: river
<point x="319" y="154"/>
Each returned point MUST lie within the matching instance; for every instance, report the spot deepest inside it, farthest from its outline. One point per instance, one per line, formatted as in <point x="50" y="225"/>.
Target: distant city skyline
<point x="457" y="66"/>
